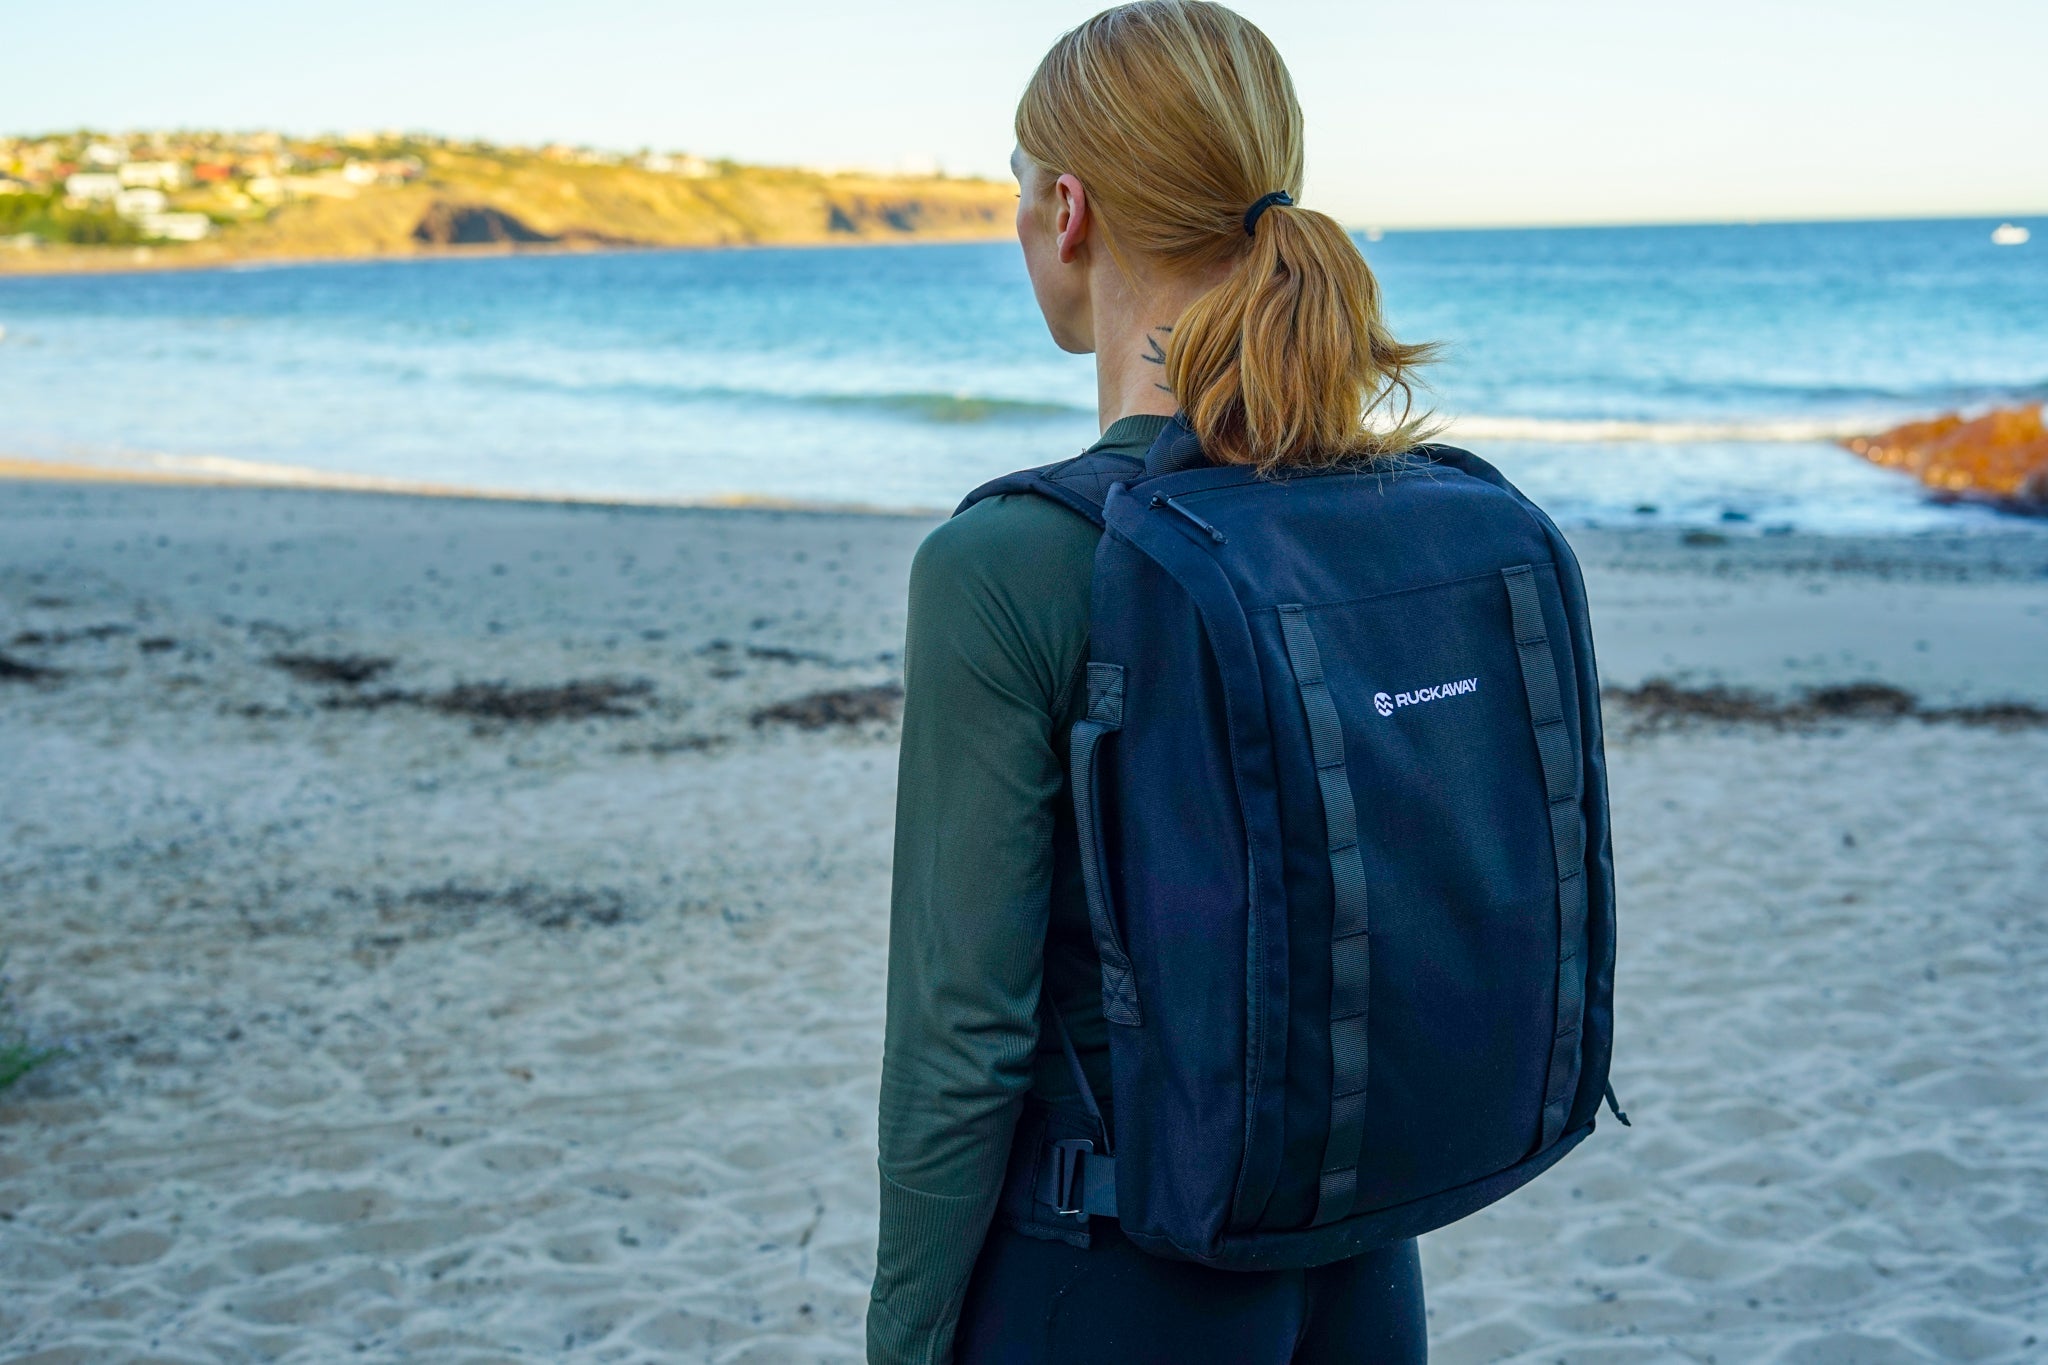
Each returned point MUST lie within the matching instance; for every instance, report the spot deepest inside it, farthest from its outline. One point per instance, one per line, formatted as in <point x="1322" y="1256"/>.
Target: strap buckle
<point x="1068" y="1156"/>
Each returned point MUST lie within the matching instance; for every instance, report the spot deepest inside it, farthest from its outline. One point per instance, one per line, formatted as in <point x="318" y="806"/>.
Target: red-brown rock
<point x="1999" y="457"/>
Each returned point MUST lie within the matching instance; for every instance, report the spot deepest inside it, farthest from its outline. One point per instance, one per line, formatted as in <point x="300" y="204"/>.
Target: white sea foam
<point x="1573" y="430"/>
<point x="268" y="472"/>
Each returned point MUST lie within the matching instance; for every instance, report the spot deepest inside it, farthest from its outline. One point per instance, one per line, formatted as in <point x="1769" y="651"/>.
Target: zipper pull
<point x="1616" y="1107"/>
<point x="1173" y="506"/>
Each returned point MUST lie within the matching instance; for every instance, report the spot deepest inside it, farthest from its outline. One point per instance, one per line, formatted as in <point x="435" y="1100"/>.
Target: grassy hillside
<point x="468" y="198"/>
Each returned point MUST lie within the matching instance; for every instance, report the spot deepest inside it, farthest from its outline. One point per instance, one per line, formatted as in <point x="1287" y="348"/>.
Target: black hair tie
<point x="1251" y="215"/>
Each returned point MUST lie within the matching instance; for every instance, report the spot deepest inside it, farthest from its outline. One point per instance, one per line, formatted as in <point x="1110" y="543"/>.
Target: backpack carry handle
<point x="1105" y="716"/>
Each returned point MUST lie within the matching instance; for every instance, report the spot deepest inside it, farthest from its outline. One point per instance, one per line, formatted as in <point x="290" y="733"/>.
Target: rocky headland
<point x="449" y="198"/>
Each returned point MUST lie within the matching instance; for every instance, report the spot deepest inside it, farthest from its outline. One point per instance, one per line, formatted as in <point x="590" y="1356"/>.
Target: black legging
<point x="1033" y="1302"/>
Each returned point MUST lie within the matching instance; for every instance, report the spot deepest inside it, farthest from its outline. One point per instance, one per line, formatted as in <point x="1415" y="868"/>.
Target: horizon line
<point x="1746" y="220"/>
<point x="939" y="171"/>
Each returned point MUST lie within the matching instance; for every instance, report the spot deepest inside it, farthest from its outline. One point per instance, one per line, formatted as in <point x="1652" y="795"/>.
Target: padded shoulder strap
<point x="1081" y="483"/>
<point x="1465" y="462"/>
<point x="1174" y="449"/>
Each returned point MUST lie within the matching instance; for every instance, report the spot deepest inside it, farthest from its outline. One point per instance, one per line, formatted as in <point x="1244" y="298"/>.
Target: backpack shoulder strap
<point x="1080" y="484"/>
<point x="1465" y="462"/>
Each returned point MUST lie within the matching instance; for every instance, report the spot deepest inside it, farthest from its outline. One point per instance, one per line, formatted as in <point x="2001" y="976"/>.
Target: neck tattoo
<point x="1155" y="353"/>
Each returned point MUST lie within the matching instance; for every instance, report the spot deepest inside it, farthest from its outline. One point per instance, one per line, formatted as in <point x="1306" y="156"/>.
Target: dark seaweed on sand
<point x="1869" y="700"/>
<point x="1660" y="701"/>
<point x="677" y="744"/>
<point x="65" y="637"/>
<point x="343" y="670"/>
<point x="581" y="700"/>
<point x="542" y="906"/>
<point x="845" y="706"/>
<point x="584" y="699"/>
<point x="21" y="670"/>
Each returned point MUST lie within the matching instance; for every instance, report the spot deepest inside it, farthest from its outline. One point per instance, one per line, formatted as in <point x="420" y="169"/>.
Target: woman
<point x="1158" y="154"/>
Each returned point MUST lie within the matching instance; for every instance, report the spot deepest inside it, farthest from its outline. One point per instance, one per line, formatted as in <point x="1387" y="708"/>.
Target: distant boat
<point x="2009" y="234"/>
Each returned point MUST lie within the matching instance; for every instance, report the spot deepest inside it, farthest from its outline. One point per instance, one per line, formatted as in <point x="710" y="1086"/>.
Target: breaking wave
<point x="1565" y="431"/>
<point x="934" y="406"/>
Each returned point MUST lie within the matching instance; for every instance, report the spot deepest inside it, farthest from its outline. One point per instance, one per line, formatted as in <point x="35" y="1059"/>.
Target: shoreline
<point x="45" y="262"/>
<point x="26" y="469"/>
<point x="2014" y="522"/>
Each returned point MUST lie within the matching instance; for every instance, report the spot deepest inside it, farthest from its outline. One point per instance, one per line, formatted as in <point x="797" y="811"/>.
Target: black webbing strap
<point x="1105" y="716"/>
<point x="1059" y="1026"/>
<point x="1350" y="947"/>
<point x="1562" y="779"/>
<point x="1073" y="1176"/>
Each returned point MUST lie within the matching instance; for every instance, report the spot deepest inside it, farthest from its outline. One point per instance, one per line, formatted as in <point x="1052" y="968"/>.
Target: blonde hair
<point x="1177" y="116"/>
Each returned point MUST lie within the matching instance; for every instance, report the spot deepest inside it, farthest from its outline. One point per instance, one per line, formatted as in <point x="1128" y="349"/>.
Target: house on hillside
<point x="155" y="175"/>
<point x="323" y="185"/>
<point x="140" y="203"/>
<point x="176" y="227"/>
<point x="92" y="186"/>
<point x="678" y="163"/>
<point x="395" y="171"/>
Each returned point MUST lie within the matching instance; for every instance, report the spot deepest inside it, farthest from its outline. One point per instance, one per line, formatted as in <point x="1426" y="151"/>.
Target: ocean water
<point x="1621" y="375"/>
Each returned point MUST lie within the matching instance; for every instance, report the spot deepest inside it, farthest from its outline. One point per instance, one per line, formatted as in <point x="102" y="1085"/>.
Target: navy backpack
<point x="1343" y="823"/>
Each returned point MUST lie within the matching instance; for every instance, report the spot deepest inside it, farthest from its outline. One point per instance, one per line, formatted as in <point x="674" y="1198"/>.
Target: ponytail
<point x="1288" y="362"/>
<point x="1180" y="119"/>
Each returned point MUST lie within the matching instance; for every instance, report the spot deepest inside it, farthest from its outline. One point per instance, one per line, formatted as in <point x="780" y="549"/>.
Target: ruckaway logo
<point x="1386" y="705"/>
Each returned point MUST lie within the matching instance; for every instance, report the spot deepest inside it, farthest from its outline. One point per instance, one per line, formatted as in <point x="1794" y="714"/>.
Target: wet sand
<point x="466" y="921"/>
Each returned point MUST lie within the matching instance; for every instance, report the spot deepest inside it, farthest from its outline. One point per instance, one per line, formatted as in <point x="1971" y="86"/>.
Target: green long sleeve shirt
<point x="987" y="903"/>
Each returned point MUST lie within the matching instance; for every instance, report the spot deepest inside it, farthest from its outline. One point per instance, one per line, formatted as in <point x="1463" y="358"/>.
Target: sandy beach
<point x="465" y="922"/>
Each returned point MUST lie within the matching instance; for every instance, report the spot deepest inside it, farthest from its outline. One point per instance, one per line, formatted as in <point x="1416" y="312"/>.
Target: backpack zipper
<point x="1171" y="505"/>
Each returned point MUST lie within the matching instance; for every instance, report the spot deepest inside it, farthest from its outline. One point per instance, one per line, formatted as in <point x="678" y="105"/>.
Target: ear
<point x="1074" y="218"/>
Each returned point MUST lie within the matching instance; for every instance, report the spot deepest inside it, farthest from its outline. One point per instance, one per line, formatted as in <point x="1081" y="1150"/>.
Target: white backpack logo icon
<point x="1387" y="705"/>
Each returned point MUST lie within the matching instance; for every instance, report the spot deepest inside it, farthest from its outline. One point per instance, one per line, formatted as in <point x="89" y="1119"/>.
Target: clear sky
<point x="1428" y="112"/>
